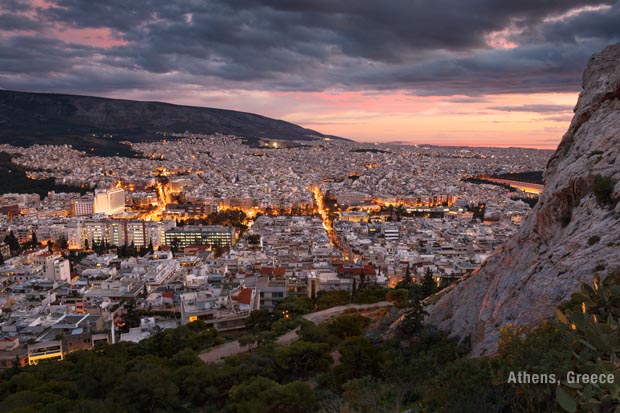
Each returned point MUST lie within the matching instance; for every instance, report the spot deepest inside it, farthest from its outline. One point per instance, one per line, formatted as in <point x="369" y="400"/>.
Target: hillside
<point x="100" y="123"/>
<point x="571" y="234"/>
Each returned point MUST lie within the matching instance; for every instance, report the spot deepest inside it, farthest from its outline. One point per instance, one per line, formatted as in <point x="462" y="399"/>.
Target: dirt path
<point x="218" y="353"/>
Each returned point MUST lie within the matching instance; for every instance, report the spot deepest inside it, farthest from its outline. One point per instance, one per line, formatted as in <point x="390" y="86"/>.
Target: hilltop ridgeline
<point x="45" y="118"/>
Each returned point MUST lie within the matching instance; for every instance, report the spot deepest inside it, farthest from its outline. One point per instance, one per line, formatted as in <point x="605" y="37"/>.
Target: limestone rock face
<point x="556" y="249"/>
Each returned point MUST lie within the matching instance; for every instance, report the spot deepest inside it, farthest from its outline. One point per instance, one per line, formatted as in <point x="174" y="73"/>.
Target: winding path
<point x="218" y="353"/>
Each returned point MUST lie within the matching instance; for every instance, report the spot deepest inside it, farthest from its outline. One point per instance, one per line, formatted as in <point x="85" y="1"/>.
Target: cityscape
<point x="173" y="222"/>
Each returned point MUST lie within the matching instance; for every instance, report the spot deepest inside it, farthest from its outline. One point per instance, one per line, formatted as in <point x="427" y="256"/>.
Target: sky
<point x="445" y="72"/>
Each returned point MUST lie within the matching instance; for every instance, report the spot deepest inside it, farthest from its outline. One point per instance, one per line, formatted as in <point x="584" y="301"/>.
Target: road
<point x="218" y="353"/>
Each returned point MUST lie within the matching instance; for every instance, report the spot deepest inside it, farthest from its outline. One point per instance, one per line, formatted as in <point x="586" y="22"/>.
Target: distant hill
<point x="98" y="124"/>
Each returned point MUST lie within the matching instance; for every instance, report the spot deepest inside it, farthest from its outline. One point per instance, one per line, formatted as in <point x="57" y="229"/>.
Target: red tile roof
<point x="356" y="269"/>
<point x="244" y="296"/>
<point x="278" y="271"/>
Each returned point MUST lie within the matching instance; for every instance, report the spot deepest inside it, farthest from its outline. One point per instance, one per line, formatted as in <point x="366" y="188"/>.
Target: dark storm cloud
<point x="428" y="48"/>
<point x="35" y="55"/>
<point x="15" y="6"/>
<point x="12" y="21"/>
<point x="602" y="24"/>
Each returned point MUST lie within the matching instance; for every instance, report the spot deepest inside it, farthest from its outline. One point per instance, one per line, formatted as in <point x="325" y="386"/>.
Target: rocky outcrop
<point x="570" y="234"/>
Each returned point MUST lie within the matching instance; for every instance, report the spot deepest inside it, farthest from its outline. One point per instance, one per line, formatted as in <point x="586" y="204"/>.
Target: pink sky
<point x="397" y="116"/>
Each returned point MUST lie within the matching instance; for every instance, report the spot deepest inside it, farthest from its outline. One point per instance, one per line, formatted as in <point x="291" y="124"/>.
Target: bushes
<point x="302" y="359"/>
<point x="263" y="395"/>
<point x="603" y="187"/>
<point x="592" y="319"/>
<point x="328" y="299"/>
<point x="593" y="240"/>
<point x="348" y="325"/>
<point x="369" y="295"/>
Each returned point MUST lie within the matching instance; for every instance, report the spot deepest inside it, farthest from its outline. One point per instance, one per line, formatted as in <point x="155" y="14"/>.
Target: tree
<point x="62" y="243"/>
<point x="260" y="320"/>
<point x="262" y="395"/>
<point x="429" y="286"/>
<point x="294" y="305"/>
<point x="175" y="244"/>
<point x="359" y="357"/>
<point x="34" y="241"/>
<point x="150" y="387"/>
<point x="399" y="296"/>
<point x="248" y="340"/>
<point x="86" y="245"/>
<point x="413" y="318"/>
<point x="369" y="394"/>
<point x="327" y="299"/>
<point x="132" y="250"/>
<point x="407" y="283"/>
<point x="348" y="325"/>
<point x="302" y="359"/>
<point x="12" y="241"/>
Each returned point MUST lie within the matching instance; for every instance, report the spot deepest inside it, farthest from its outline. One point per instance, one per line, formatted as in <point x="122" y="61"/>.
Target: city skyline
<point x="479" y="75"/>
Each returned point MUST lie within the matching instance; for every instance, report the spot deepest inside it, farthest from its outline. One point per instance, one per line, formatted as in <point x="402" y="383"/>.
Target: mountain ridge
<point x="28" y="118"/>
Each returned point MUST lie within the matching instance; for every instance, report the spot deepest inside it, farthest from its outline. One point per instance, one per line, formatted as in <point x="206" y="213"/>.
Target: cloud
<point x="425" y="48"/>
<point x="559" y="118"/>
<point x="539" y="108"/>
<point x="14" y="21"/>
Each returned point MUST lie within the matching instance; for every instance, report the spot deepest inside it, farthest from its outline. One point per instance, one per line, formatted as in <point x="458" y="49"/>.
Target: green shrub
<point x="593" y="240"/>
<point x="592" y="318"/>
<point x="603" y="188"/>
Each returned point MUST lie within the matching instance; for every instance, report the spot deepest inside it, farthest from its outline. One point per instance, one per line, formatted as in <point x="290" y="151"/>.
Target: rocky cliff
<point x="573" y="232"/>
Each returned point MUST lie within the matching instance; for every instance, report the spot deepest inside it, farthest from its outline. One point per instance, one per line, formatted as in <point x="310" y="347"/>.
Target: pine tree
<point x="12" y="241"/>
<point x="34" y="241"/>
<point x="407" y="283"/>
<point x="413" y="317"/>
<point x="429" y="286"/>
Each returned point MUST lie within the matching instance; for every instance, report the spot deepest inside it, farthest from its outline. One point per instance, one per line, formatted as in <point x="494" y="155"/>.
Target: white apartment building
<point x="109" y="201"/>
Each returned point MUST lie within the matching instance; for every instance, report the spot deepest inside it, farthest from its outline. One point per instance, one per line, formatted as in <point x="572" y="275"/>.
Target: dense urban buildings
<point x="210" y="228"/>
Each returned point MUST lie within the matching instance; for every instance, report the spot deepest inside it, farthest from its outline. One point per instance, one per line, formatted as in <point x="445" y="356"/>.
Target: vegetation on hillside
<point x="338" y="366"/>
<point x="13" y="179"/>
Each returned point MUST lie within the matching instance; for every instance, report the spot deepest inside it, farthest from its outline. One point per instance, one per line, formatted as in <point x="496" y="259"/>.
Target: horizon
<point x="368" y="141"/>
<point x="367" y="72"/>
